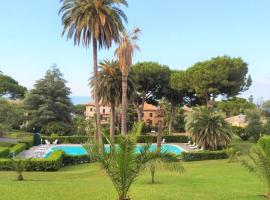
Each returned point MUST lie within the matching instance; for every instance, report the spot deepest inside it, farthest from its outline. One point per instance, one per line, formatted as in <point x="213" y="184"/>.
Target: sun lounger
<point x="47" y="142"/>
<point x="55" y="142"/>
<point x="163" y="141"/>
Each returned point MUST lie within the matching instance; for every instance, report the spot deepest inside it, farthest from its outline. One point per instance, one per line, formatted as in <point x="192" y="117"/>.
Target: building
<point x="90" y="111"/>
<point x="149" y="113"/>
<point x="239" y="120"/>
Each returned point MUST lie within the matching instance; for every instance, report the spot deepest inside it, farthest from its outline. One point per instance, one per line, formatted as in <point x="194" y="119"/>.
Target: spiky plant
<point x="18" y="166"/>
<point x="260" y="156"/>
<point x="208" y="128"/>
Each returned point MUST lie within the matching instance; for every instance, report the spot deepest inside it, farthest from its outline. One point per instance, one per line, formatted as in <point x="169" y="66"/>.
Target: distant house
<point x="239" y="120"/>
<point x="90" y="111"/>
<point x="149" y="113"/>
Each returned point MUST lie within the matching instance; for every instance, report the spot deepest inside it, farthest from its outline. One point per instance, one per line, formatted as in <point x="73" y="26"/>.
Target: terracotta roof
<point x="150" y="107"/>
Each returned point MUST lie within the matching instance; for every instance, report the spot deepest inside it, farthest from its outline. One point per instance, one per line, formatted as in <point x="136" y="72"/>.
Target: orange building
<point x="149" y="113"/>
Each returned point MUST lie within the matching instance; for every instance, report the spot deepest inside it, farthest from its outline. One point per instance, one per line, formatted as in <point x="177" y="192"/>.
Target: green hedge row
<point x="4" y="152"/>
<point x="141" y="139"/>
<point x="54" y="162"/>
<point x="204" y="155"/>
<point x="16" y="149"/>
<point x="29" y="141"/>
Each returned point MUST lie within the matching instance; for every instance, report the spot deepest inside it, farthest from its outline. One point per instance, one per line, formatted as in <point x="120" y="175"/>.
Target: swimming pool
<point x="79" y="150"/>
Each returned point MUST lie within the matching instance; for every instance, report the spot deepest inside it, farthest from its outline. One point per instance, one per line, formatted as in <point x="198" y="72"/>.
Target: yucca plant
<point x="18" y="166"/>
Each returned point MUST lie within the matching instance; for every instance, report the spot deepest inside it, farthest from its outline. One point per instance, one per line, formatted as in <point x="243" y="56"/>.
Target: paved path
<point x="8" y="140"/>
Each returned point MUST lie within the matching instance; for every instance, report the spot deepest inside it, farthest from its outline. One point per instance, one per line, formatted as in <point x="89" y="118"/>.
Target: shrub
<point x="29" y="141"/>
<point x="240" y="132"/>
<point x="204" y="155"/>
<point x="16" y="149"/>
<point x="4" y="152"/>
<point x="74" y="160"/>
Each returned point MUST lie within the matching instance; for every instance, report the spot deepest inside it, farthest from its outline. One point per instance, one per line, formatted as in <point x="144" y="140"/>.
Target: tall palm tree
<point x="124" y="53"/>
<point x="93" y="21"/>
<point x="208" y="128"/>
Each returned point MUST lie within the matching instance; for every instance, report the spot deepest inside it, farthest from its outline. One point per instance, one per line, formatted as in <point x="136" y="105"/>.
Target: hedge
<point x="141" y="139"/>
<point x="54" y="162"/>
<point x="204" y="155"/>
<point x="16" y="149"/>
<point x="4" y="152"/>
<point x="29" y="141"/>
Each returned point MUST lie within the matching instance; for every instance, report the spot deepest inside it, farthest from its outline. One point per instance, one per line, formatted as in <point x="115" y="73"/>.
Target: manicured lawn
<point x="204" y="180"/>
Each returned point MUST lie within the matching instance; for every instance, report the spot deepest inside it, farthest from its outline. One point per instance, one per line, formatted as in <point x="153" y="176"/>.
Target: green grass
<point x="204" y="180"/>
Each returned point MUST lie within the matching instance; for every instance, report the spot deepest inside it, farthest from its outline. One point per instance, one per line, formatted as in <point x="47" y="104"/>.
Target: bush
<point x="29" y="141"/>
<point x="4" y="152"/>
<point x="204" y="155"/>
<point x="74" y="160"/>
<point x="240" y="132"/>
<point x="16" y="149"/>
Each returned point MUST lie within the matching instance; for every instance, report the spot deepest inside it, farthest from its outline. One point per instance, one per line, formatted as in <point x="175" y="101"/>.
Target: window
<point x="103" y="110"/>
<point x="91" y="109"/>
<point x="150" y="114"/>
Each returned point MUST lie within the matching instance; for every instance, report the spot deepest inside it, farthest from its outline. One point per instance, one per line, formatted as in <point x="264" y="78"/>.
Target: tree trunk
<point x="153" y="170"/>
<point x="159" y="135"/>
<point x="20" y="177"/>
<point x="139" y="110"/>
<point x="124" y="105"/>
<point x="96" y="98"/>
<point x="112" y="123"/>
<point x="171" y="118"/>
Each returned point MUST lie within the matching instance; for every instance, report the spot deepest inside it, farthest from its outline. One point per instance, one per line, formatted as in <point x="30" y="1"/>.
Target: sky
<point x="177" y="33"/>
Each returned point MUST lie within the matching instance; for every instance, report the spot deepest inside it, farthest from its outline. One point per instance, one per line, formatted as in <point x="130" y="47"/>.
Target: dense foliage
<point x="234" y="106"/>
<point x="10" y="87"/>
<point x="49" y="106"/>
<point x="204" y="155"/>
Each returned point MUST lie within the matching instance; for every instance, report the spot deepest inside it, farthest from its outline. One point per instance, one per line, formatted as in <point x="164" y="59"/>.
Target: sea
<point x="80" y="99"/>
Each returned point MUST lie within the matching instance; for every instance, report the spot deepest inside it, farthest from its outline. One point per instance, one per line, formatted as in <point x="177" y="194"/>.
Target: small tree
<point x="255" y="127"/>
<point x="19" y="167"/>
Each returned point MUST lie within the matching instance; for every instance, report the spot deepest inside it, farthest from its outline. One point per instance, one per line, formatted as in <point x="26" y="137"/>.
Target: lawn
<point x="204" y="180"/>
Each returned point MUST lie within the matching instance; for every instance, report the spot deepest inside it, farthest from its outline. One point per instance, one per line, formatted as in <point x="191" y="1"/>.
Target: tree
<point x="96" y="21"/>
<point x="266" y="109"/>
<point x="78" y="110"/>
<point x="234" y="106"/>
<point x="152" y="80"/>
<point x="224" y="76"/>
<point x="124" y="53"/>
<point x="177" y="94"/>
<point x="48" y="104"/>
<point x="18" y="166"/>
<point x="208" y="128"/>
<point x="110" y="89"/>
<point x="10" y="87"/>
<point x="254" y="128"/>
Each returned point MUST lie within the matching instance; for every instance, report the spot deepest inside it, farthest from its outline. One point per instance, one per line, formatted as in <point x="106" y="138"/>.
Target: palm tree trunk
<point x="112" y="123"/>
<point x="139" y="110"/>
<point x="171" y="118"/>
<point x="96" y="98"/>
<point x="159" y="135"/>
<point x="124" y="105"/>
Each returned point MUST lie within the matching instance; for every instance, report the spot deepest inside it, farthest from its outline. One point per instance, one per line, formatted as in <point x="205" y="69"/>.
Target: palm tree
<point x="208" y="128"/>
<point x="260" y="157"/>
<point x="93" y="21"/>
<point x="18" y="166"/>
<point x="110" y="88"/>
<point x="124" y="54"/>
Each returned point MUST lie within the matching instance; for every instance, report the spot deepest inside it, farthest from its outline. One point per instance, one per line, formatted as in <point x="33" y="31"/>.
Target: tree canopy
<point x="234" y="106"/>
<point x="49" y="105"/>
<point x="224" y="76"/>
<point x="10" y="87"/>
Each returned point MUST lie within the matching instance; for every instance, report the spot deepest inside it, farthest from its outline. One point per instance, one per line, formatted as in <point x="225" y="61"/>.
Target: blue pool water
<point x="79" y="150"/>
<point x="70" y="150"/>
